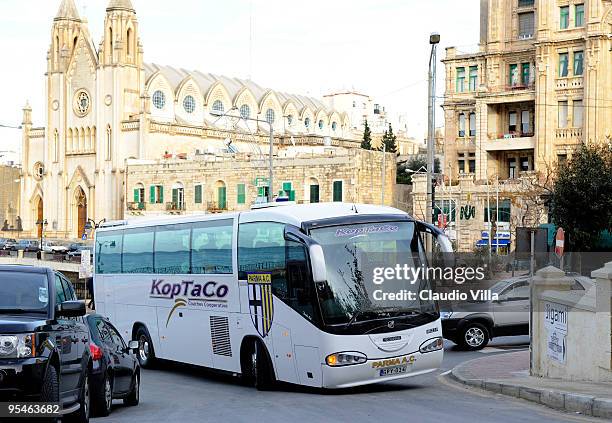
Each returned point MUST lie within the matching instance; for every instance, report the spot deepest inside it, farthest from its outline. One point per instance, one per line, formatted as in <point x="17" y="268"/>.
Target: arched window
<point x="74" y="43"/>
<point x="321" y="124"/>
<point x="110" y="43"/>
<point x="69" y="141"/>
<point x="245" y="111"/>
<point x="159" y="99"/>
<point x="270" y="116"/>
<point x="334" y="126"/>
<point x="307" y="122"/>
<point x="129" y="41"/>
<point x="218" y="106"/>
<point x="290" y="120"/>
<point x="189" y="104"/>
<point x="109" y="142"/>
<point x="57" y="48"/>
<point x="81" y="140"/>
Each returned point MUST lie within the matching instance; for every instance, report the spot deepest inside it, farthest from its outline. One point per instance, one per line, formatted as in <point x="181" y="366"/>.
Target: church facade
<point x="106" y="106"/>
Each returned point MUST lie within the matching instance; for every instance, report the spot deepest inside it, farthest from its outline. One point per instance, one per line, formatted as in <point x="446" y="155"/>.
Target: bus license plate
<point x="393" y="370"/>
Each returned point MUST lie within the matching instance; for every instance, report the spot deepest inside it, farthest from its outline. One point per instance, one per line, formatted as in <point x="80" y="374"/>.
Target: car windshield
<point x="22" y="292"/>
<point x="353" y="256"/>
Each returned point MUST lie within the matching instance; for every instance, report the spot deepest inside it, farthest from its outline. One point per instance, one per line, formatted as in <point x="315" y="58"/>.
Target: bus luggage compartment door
<point x="308" y="364"/>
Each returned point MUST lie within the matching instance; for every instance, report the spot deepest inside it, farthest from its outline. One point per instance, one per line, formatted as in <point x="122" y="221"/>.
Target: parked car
<point x="477" y="322"/>
<point x="7" y="243"/>
<point x="28" y="245"/>
<point x="115" y="373"/>
<point x="44" y="342"/>
<point x="54" y="248"/>
<point x="79" y="249"/>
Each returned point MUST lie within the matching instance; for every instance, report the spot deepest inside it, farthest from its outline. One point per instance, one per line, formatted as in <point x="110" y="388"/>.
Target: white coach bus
<point x="281" y="293"/>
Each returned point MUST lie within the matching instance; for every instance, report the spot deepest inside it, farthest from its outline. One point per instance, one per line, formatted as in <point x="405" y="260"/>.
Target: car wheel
<point x="102" y="400"/>
<point x="134" y="398"/>
<point x="50" y="386"/>
<point x="82" y="415"/>
<point x="475" y="336"/>
<point x="146" y="355"/>
<point x="261" y="368"/>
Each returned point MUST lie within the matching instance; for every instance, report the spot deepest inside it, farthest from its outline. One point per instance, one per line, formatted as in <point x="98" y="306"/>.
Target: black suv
<point x="44" y="343"/>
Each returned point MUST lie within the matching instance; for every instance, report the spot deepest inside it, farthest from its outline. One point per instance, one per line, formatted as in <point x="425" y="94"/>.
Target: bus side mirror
<point x="317" y="261"/>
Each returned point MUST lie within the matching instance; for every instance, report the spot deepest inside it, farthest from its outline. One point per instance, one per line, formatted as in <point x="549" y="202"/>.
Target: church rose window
<point x="189" y="104"/>
<point x="82" y="103"/>
<point x="159" y="99"/>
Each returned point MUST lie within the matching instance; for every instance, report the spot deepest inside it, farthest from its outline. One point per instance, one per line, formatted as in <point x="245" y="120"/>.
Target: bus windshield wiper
<point x="380" y="310"/>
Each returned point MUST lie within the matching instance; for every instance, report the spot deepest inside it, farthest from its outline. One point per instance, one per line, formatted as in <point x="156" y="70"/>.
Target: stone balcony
<point x="510" y="142"/>
<point x="571" y="83"/>
<point x="568" y="133"/>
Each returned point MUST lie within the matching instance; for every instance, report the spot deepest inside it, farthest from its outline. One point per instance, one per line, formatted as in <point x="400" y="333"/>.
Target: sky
<point x="314" y="47"/>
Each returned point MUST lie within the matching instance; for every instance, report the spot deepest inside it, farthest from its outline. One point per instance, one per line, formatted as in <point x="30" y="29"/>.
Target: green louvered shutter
<point x="198" y="194"/>
<point x="136" y="195"/>
<point x="161" y="194"/>
<point x="337" y="190"/>
<point x="241" y="194"/>
<point x="152" y="194"/>
<point x="314" y="193"/>
<point x="222" y="198"/>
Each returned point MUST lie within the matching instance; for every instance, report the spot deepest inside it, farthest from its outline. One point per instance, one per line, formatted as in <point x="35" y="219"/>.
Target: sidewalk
<point x="508" y="374"/>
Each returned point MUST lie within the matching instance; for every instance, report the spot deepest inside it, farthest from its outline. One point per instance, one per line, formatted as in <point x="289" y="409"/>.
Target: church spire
<point x="68" y="10"/>
<point x="120" y="5"/>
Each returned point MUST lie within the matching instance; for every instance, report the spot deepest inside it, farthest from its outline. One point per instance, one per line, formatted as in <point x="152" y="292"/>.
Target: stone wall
<point x="359" y="170"/>
<point x="583" y="343"/>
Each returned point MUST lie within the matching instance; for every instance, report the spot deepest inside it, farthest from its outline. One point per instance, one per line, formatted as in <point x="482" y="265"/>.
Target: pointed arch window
<point x="109" y="142"/>
<point x="55" y="146"/>
<point x="129" y="41"/>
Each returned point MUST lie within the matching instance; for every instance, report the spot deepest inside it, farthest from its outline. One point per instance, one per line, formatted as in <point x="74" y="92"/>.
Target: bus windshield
<point x="356" y="257"/>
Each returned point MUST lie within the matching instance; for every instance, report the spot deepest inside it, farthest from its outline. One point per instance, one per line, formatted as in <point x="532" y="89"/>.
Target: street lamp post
<point x="271" y="162"/>
<point x="93" y="225"/>
<point x="434" y="40"/>
<point x="42" y="223"/>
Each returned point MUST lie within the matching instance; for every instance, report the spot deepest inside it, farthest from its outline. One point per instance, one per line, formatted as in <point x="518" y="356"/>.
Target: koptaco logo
<point x="210" y="291"/>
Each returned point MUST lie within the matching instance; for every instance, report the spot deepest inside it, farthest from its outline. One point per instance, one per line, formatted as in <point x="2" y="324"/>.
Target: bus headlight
<point x="345" y="359"/>
<point x="17" y="346"/>
<point x="431" y="345"/>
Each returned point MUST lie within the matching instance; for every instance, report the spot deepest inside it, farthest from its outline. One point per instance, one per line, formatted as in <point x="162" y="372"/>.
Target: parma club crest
<point x="261" y="305"/>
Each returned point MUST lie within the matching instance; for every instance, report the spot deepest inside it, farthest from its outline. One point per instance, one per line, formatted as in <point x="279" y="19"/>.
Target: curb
<point x="559" y="400"/>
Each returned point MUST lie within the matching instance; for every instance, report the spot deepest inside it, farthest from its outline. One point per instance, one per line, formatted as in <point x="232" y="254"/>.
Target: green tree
<point x="388" y="141"/>
<point x="417" y="163"/>
<point x="582" y="196"/>
<point x="366" y="143"/>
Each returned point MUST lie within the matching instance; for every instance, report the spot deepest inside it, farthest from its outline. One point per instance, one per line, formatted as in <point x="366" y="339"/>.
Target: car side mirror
<point x="317" y="261"/>
<point x="71" y="309"/>
<point x="133" y="346"/>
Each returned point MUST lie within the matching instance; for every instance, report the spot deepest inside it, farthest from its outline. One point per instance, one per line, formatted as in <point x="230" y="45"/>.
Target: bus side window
<point x="211" y="247"/>
<point x="108" y="252"/>
<point x="172" y="249"/>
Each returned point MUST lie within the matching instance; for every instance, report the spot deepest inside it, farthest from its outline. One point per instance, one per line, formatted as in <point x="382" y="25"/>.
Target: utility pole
<point x="434" y="40"/>
<point x="382" y="191"/>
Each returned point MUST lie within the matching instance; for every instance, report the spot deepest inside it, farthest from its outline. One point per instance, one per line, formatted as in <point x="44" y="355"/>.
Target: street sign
<point x="84" y="237"/>
<point x="85" y="268"/>
<point x="559" y="242"/>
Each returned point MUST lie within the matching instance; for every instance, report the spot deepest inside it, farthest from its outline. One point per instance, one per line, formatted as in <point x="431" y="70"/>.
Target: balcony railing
<point x="175" y="206"/>
<point x="136" y="206"/>
<point x="466" y="143"/>
<point x="508" y="142"/>
<point x="568" y="133"/>
<point x="214" y="207"/>
<point x="569" y="83"/>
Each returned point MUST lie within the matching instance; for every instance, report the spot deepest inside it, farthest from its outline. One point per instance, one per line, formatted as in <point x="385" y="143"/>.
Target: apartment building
<point x="539" y="85"/>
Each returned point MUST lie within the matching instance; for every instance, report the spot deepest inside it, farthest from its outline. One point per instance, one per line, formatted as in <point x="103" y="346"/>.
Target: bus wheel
<point x="146" y="355"/>
<point x="261" y="368"/>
